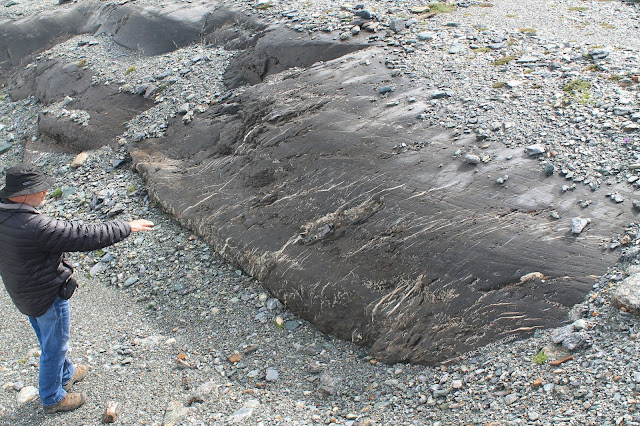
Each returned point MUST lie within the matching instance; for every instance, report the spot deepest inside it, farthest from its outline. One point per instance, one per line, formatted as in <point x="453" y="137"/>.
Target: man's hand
<point x="141" y="225"/>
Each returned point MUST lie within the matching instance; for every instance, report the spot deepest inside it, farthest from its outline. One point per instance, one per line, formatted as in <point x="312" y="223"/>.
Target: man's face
<point x="42" y="197"/>
<point x="37" y="199"/>
<point x="33" y="200"/>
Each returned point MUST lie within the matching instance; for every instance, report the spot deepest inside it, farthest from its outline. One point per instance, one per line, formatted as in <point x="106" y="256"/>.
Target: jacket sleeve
<point x="61" y="236"/>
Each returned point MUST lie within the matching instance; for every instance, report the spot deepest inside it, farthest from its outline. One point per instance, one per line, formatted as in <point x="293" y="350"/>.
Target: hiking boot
<point x="69" y="403"/>
<point x="78" y="376"/>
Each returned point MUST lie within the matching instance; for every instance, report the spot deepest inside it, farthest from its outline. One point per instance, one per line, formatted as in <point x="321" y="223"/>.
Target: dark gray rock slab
<point x="56" y="80"/>
<point x="154" y="30"/>
<point x="418" y="254"/>
<point x="109" y="109"/>
<point x="275" y="50"/>
<point x="21" y="38"/>
<point x="151" y="30"/>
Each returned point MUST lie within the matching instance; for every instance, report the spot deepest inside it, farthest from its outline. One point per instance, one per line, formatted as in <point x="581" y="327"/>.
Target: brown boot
<point x="78" y="376"/>
<point x="69" y="403"/>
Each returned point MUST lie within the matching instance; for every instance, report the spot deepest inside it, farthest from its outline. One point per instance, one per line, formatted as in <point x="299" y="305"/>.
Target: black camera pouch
<point x="67" y="289"/>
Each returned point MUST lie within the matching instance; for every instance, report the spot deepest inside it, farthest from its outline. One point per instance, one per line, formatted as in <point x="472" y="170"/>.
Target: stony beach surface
<point x="176" y="336"/>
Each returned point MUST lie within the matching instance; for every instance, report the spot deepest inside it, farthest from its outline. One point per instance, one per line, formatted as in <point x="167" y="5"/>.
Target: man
<point x="38" y="279"/>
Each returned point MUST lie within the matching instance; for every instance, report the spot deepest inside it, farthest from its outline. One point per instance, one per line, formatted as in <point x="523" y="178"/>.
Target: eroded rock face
<point x="324" y="184"/>
<point x="150" y="30"/>
<point x="416" y="253"/>
<point x="156" y="30"/>
<point x="109" y="109"/>
<point x="21" y="38"/>
<point x="275" y="52"/>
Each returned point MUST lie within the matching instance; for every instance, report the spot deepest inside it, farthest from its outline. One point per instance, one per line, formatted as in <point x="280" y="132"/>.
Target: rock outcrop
<point x="321" y="179"/>
<point x="367" y="222"/>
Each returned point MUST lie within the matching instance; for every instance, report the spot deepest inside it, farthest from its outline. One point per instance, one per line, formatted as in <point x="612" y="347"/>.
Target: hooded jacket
<point x="32" y="247"/>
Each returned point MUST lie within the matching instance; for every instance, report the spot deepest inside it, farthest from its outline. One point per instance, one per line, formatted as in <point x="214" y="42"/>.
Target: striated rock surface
<point x="325" y="179"/>
<point x="299" y="180"/>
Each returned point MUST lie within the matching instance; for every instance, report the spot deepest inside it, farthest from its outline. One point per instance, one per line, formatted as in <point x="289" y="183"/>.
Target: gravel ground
<point x="173" y="334"/>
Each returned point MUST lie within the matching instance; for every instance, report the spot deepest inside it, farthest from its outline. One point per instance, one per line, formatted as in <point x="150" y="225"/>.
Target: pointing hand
<point x="141" y="225"/>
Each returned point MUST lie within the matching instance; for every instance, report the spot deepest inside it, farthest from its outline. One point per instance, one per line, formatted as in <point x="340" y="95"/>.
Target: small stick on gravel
<point x="561" y="360"/>
<point x="111" y="412"/>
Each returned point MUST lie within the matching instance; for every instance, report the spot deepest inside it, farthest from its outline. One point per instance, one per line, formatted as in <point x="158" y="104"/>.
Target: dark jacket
<point x="32" y="247"/>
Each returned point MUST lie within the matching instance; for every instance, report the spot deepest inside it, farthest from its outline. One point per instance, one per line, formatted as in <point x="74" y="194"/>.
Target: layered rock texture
<point x="320" y="179"/>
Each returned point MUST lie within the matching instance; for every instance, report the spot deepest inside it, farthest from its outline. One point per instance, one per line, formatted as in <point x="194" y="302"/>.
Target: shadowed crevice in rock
<point x="417" y="254"/>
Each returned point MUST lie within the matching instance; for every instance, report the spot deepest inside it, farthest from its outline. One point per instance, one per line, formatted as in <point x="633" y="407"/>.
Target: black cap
<point x="25" y="179"/>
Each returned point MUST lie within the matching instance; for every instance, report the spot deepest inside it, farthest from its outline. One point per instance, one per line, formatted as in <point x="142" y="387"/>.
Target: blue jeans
<point x="52" y="329"/>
